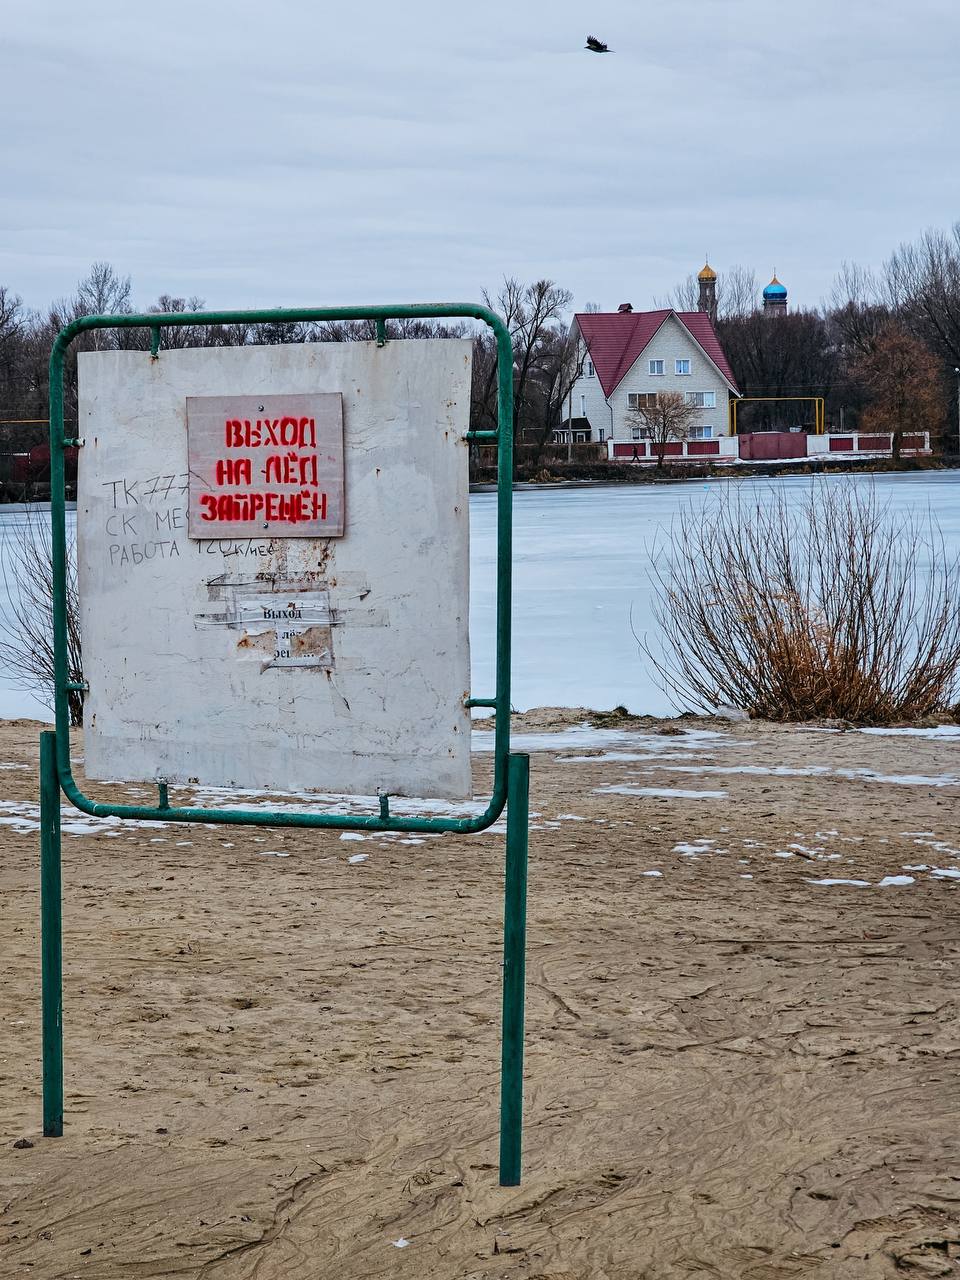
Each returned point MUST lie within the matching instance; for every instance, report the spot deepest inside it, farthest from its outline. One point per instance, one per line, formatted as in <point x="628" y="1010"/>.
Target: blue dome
<point x="774" y="290"/>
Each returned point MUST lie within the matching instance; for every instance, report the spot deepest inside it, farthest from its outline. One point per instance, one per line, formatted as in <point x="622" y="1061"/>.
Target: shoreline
<point x="616" y="475"/>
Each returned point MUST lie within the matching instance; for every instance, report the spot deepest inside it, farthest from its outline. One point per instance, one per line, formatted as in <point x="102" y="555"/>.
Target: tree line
<point x="537" y="315"/>
<point x="882" y="351"/>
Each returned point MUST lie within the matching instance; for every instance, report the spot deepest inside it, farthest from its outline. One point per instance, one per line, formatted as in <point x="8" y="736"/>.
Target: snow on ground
<point x="940" y="731"/>
<point x="585" y="736"/>
<point x="674" y="793"/>
<point x="811" y="771"/>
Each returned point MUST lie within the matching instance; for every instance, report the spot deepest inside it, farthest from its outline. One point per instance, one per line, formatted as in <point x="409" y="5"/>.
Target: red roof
<point x="616" y="339"/>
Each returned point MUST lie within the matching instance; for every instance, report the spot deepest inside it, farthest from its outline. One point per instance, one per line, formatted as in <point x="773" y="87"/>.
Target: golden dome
<point x="707" y="273"/>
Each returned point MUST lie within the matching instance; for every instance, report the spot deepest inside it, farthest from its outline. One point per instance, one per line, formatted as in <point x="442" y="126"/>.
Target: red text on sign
<point x="277" y="433"/>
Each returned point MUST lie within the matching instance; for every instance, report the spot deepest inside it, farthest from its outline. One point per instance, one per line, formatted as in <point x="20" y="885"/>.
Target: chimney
<point x="625" y="308"/>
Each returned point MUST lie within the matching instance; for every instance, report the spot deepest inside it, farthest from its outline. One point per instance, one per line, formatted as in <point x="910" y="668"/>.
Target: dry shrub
<point x="828" y="605"/>
<point x="26" y="624"/>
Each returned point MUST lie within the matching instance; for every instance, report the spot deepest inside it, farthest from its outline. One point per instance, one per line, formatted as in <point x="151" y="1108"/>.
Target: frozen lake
<point x="581" y="565"/>
<point x="581" y="568"/>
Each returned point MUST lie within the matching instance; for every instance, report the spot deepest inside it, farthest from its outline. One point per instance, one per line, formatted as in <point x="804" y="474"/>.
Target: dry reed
<point x="832" y="606"/>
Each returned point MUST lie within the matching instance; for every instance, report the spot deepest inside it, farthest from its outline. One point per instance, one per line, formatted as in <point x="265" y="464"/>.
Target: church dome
<point x="707" y="273"/>
<point x="775" y="291"/>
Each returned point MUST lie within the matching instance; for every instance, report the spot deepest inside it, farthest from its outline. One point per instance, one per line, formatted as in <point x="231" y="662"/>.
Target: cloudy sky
<point x="290" y="152"/>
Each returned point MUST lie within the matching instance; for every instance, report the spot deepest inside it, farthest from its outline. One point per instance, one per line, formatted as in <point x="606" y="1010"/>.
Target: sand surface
<point x="278" y="1067"/>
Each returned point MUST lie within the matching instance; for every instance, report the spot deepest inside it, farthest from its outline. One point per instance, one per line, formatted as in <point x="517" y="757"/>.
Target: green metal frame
<point x="510" y="774"/>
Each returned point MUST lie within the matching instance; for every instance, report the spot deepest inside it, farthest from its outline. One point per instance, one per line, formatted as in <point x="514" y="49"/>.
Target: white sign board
<point x="265" y="658"/>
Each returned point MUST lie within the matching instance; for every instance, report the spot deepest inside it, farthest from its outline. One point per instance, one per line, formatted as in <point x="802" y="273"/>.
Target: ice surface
<point x="582" y="586"/>
<point x="581" y="582"/>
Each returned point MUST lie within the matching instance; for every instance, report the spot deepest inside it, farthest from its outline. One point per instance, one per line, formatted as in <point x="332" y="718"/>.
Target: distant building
<point x="628" y="357"/>
<point x="707" y="279"/>
<point x="775" y="298"/>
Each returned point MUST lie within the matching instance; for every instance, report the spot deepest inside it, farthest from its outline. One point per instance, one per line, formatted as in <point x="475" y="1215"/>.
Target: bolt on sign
<point x="265" y="466"/>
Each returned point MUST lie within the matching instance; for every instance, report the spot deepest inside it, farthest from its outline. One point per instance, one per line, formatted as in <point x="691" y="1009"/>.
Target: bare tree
<point x="832" y="607"/>
<point x="859" y="314"/>
<point x="26" y="630"/>
<point x="792" y="355"/>
<point x="534" y="315"/>
<point x="922" y="281"/>
<point x="100" y="293"/>
<point x="663" y="417"/>
<point x="903" y="382"/>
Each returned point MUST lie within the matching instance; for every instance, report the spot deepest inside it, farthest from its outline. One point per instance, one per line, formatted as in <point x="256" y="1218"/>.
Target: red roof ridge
<point x="617" y="339"/>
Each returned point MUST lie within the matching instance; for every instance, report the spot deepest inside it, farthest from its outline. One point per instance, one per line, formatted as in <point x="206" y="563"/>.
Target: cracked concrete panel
<point x="293" y="662"/>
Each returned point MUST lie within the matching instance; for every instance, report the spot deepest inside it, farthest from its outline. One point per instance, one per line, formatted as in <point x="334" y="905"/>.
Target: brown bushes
<point x="827" y="606"/>
<point x="26" y="624"/>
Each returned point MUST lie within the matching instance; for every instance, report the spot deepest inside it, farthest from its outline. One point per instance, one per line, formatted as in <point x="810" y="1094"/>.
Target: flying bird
<point x="597" y="46"/>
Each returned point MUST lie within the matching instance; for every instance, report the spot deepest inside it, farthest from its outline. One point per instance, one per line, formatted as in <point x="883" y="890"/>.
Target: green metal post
<point x="51" y="939"/>
<point x="514" y="956"/>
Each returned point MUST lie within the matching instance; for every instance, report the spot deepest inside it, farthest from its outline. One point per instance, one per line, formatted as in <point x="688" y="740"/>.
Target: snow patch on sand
<point x="670" y="793"/>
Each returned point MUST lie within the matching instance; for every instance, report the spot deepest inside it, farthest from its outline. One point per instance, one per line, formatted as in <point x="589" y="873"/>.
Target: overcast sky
<point x="290" y="152"/>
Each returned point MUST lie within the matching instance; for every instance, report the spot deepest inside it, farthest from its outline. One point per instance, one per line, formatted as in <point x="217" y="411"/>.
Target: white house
<point x="628" y="355"/>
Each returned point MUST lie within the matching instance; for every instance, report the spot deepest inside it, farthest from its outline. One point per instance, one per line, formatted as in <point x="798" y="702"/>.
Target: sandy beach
<point x="282" y="1047"/>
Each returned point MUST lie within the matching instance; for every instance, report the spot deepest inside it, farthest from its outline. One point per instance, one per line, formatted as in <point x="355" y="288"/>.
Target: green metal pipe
<point x="51" y="942"/>
<point x="501" y="738"/>
<point x="514" y="965"/>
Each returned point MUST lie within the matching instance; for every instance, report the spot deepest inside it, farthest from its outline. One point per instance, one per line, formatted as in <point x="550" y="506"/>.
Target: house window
<point x="602" y="435"/>
<point x="583" y="406"/>
<point x="701" y="433"/>
<point x="681" y="366"/>
<point x="702" y="399"/>
<point x="642" y="400"/>
<point x="635" y="433"/>
<point x="590" y="369"/>
<point x="656" y="368"/>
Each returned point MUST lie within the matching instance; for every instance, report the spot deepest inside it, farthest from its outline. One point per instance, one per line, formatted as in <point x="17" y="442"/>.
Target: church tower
<point x="708" y="291"/>
<point x="775" y="298"/>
